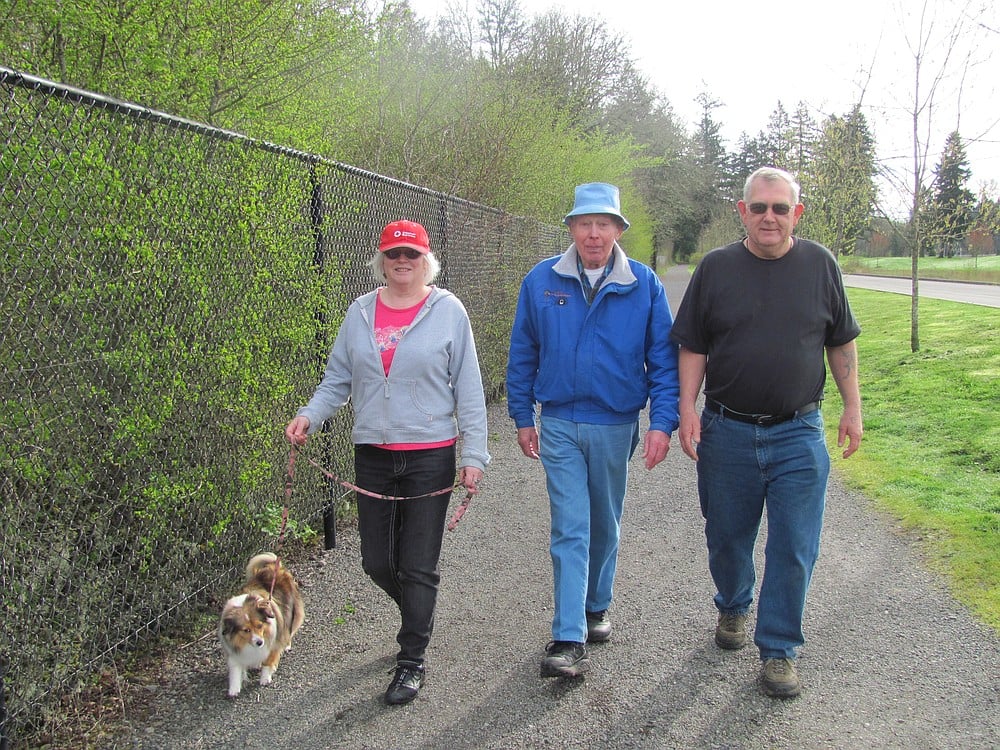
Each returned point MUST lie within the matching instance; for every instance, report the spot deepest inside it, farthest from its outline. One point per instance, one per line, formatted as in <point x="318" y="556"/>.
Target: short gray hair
<point x="431" y="267"/>
<point x="772" y="174"/>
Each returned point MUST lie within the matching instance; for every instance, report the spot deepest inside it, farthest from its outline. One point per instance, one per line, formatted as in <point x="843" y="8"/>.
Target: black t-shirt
<point x="764" y="325"/>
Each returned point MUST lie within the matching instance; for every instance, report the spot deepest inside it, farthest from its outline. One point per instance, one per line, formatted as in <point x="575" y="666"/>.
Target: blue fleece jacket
<point x="597" y="363"/>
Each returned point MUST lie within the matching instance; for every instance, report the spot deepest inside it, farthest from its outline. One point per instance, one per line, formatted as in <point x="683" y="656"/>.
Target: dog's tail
<point x="260" y="562"/>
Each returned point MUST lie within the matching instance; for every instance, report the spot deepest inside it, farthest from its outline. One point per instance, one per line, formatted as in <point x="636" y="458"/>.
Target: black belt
<point x="762" y="420"/>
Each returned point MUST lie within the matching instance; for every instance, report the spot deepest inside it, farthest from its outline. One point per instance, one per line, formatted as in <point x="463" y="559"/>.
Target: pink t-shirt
<point x="390" y="327"/>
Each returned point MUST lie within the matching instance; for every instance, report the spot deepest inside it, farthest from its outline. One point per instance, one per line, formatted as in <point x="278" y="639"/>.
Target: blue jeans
<point x="401" y="539"/>
<point x="586" y="471"/>
<point x="741" y="468"/>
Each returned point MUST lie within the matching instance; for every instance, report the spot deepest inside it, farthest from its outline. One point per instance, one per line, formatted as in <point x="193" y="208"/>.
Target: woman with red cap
<point x="406" y="359"/>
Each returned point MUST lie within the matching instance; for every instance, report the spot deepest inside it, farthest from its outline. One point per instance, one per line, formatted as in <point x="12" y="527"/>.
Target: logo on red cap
<point x="404" y="234"/>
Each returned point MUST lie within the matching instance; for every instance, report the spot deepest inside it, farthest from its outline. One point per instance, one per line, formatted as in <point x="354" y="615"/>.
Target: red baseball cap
<point x="404" y="233"/>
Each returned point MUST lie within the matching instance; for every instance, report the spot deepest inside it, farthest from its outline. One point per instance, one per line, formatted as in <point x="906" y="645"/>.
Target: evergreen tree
<point x="750" y="154"/>
<point x="951" y="211"/>
<point x="839" y="185"/>
<point x="705" y="200"/>
<point x="709" y="151"/>
<point x="779" y="139"/>
<point x="803" y="134"/>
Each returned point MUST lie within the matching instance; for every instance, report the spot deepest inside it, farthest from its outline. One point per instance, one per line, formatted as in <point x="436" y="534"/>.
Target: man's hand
<point x="527" y="438"/>
<point x="851" y="429"/>
<point x="689" y="433"/>
<point x="655" y="446"/>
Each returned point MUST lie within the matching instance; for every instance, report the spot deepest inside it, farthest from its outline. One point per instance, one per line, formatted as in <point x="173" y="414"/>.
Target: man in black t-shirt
<point x="753" y="327"/>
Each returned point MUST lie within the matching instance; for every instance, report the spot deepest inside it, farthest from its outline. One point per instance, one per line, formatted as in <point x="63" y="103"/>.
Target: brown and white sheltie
<point x="258" y="623"/>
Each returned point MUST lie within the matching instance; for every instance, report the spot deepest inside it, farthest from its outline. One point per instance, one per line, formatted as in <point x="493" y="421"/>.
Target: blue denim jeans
<point x="401" y="539"/>
<point x="586" y="471"/>
<point x="743" y="468"/>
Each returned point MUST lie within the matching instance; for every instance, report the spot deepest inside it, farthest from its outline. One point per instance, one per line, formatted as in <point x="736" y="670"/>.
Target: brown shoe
<point x="731" y="632"/>
<point x="780" y="678"/>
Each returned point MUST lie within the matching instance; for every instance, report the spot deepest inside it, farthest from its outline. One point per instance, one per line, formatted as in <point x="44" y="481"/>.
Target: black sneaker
<point x="598" y="626"/>
<point x="405" y="684"/>
<point x="565" y="659"/>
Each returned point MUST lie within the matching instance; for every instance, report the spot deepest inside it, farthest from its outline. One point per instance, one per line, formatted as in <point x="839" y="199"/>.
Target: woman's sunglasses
<point x="409" y="252"/>
<point x="780" y="209"/>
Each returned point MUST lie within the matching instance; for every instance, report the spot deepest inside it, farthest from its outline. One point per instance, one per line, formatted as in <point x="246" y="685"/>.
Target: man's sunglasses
<point x="409" y="252"/>
<point x="780" y="209"/>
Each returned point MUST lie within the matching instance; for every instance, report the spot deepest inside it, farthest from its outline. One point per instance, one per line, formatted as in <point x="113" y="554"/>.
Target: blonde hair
<point x="432" y="267"/>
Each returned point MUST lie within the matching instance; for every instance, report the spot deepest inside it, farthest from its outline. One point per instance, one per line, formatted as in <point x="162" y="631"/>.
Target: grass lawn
<point x="931" y="449"/>
<point x="979" y="268"/>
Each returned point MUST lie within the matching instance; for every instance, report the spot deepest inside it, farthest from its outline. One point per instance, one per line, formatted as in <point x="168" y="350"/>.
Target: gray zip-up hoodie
<point x="434" y="390"/>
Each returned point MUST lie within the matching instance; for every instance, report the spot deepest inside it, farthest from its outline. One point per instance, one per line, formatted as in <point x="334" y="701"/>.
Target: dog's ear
<point x="257" y="602"/>
<point x="265" y="608"/>
<point x="230" y="625"/>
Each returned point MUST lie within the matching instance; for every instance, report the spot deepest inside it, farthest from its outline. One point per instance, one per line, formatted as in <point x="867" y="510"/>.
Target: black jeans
<point x="401" y="539"/>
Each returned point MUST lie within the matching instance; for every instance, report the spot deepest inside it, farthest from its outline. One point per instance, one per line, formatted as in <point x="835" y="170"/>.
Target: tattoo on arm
<point x="848" y="363"/>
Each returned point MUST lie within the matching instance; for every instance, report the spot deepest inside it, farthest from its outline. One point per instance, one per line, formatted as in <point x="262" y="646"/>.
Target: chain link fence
<point x="171" y="293"/>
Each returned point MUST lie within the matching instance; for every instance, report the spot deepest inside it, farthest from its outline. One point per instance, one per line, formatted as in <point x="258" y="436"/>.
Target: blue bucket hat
<point x="597" y="198"/>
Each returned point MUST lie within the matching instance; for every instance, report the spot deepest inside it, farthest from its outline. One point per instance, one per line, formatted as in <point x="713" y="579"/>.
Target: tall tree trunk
<point x="915" y="217"/>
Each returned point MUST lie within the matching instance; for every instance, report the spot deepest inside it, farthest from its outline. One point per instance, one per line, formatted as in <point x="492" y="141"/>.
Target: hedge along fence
<point x="171" y="294"/>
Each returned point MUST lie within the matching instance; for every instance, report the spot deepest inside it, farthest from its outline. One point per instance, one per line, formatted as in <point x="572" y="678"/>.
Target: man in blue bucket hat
<point x="590" y="346"/>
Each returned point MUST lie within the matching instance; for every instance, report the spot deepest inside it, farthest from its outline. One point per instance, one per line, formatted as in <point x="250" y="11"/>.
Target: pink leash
<point x="459" y="512"/>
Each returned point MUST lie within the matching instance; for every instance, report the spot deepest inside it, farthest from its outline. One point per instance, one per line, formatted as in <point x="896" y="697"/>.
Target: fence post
<point x="319" y="263"/>
<point x="3" y="703"/>
<point x="442" y="250"/>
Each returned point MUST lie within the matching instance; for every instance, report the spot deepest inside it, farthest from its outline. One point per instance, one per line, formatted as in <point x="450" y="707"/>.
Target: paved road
<point x="988" y="295"/>
<point x="891" y="660"/>
<point x="954" y="291"/>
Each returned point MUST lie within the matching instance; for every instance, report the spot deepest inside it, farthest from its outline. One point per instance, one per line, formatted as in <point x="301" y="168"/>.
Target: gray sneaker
<point x="565" y="659"/>
<point x="407" y="680"/>
<point x="780" y="678"/>
<point x="598" y="626"/>
<point x="731" y="631"/>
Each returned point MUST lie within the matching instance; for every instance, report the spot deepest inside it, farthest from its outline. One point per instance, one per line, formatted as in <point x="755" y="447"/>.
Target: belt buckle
<point x="766" y="420"/>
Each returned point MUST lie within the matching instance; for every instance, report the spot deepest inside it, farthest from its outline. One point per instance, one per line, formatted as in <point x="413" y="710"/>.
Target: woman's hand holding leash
<point x="297" y="431"/>
<point x="470" y="477"/>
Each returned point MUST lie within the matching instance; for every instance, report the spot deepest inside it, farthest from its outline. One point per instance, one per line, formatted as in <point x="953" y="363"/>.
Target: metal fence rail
<point x="171" y="292"/>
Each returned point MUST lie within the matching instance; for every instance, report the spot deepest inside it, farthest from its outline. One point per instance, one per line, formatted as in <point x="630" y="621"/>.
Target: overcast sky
<point x="751" y="55"/>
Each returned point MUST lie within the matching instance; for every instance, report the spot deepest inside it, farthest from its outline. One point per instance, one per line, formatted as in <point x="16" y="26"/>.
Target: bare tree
<point x="504" y="28"/>
<point x="942" y="49"/>
<point x="458" y="31"/>
<point x="578" y="61"/>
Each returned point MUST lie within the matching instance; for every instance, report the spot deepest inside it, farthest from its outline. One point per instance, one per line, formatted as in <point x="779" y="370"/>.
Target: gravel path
<point x="891" y="661"/>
